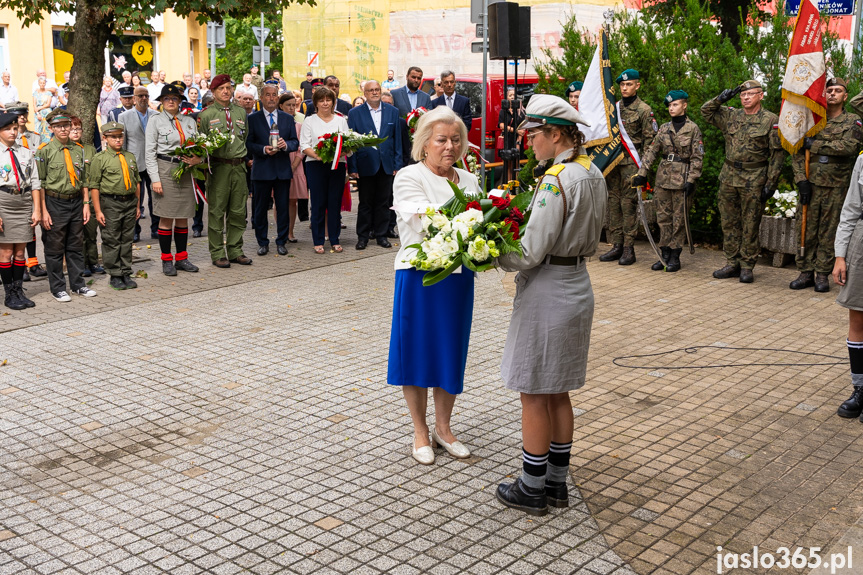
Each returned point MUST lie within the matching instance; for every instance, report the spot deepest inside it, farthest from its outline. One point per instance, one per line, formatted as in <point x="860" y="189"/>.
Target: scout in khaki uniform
<point x="753" y="160"/>
<point x="114" y="189"/>
<point x="19" y="181"/>
<point x="554" y="296"/>
<point x="64" y="211"/>
<point x="91" y="250"/>
<point x="681" y="148"/>
<point x="637" y="118"/>
<point x="833" y="152"/>
<point x="227" y="191"/>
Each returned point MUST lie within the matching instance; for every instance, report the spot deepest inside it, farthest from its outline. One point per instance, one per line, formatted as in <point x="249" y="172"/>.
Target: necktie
<point x="70" y="167"/>
<point x="449" y="102"/>
<point x="272" y="121"/>
<point x="127" y="180"/>
<point x="15" y="168"/>
<point x="228" y="118"/>
<point x="179" y="131"/>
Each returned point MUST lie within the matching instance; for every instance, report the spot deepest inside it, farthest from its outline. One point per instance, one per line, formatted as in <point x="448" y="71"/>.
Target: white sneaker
<point x="61" y="296"/>
<point x="86" y="292"/>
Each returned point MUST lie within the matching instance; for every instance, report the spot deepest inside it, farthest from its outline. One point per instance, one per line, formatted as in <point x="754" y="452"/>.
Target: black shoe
<point x="853" y="406"/>
<point x="556" y="494"/>
<point x="666" y="255"/>
<point x="242" y="260"/>
<point x="136" y="238"/>
<point x="86" y="273"/>
<point x="746" y="276"/>
<point x="628" y="256"/>
<point x="168" y="268"/>
<point x="185" y="266"/>
<point x="26" y="276"/>
<point x="674" y="263"/>
<point x="281" y="249"/>
<point x="822" y="283"/>
<point x="384" y="243"/>
<point x="728" y="271"/>
<point x="196" y="233"/>
<point x="38" y="271"/>
<point x="97" y="269"/>
<point x="19" y="290"/>
<point x="130" y="283"/>
<point x="117" y="283"/>
<point x="393" y="234"/>
<point x="518" y="496"/>
<point x="362" y="243"/>
<point x="263" y="250"/>
<point x="613" y="254"/>
<point x="803" y="281"/>
<point x="12" y="301"/>
<point x="154" y="235"/>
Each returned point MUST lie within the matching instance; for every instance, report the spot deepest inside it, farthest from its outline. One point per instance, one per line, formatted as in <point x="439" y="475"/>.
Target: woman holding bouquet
<point x="545" y="356"/>
<point x="325" y="184"/>
<point x="173" y="201"/>
<point x="424" y="351"/>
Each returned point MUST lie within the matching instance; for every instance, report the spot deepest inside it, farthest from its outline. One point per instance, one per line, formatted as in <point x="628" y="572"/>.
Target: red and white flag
<point x="804" y="102"/>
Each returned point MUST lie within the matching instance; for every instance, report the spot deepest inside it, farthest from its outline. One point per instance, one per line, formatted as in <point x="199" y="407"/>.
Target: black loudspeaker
<point x="524" y="32"/>
<point x="503" y="31"/>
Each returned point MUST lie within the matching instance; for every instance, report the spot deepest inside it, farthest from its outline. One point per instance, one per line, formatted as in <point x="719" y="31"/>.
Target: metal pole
<point x="212" y="25"/>
<point x="485" y="81"/>
<point x="857" y="30"/>
<point x="262" y="46"/>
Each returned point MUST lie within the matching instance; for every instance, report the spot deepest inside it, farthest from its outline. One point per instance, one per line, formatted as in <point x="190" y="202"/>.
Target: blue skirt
<point x="431" y="331"/>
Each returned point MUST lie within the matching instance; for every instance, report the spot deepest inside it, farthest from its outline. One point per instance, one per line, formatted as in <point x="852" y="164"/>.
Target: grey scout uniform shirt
<point x="852" y="211"/>
<point x="685" y="144"/>
<point x="564" y="221"/>
<point x="29" y="176"/>
<point x="163" y="138"/>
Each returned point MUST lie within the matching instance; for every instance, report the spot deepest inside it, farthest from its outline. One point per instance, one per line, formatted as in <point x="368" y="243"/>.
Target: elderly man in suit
<point x="272" y="138"/>
<point x="375" y="167"/>
<point x="409" y="97"/>
<point x="455" y="102"/>
<point x="135" y="124"/>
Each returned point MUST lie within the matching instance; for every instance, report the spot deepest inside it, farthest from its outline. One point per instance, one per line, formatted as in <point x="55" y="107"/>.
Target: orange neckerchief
<point x="70" y="167"/>
<point x="180" y="130"/>
<point x="127" y="181"/>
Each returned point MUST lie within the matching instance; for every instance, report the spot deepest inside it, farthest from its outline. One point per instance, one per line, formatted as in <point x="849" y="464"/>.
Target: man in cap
<point x="65" y="208"/>
<point x="134" y="140"/>
<point x="31" y="141"/>
<point x="637" y="118"/>
<point x="127" y="102"/>
<point x="833" y="152"/>
<point x="226" y="185"/>
<point x="306" y="86"/>
<point x="753" y="160"/>
<point x="91" y="226"/>
<point x="679" y="144"/>
<point x="573" y="92"/>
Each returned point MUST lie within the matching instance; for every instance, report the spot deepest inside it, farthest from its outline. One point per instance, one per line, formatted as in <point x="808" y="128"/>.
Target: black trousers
<point x="373" y="213"/>
<point x="64" y="239"/>
<point x="147" y="186"/>
<point x="198" y="220"/>
<point x="263" y="190"/>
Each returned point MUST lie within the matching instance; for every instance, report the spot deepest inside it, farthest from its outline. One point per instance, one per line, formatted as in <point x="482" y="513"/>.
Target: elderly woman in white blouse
<point x="424" y="351"/>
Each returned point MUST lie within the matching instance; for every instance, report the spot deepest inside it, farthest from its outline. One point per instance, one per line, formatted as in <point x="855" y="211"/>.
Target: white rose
<point x="460" y="227"/>
<point x="450" y="246"/>
<point x="426" y="222"/>
<point x="439" y="220"/>
<point x="478" y="250"/>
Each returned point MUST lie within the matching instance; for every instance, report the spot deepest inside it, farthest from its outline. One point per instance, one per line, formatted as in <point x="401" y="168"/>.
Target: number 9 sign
<point x="142" y="52"/>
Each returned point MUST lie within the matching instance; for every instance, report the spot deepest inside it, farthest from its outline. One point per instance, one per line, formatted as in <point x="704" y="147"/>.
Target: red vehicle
<point x="470" y="85"/>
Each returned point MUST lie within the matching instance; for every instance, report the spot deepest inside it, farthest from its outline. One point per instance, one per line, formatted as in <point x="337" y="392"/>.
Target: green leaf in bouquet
<point x="466" y="261"/>
<point x="492" y="215"/>
<point x="434" y="277"/>
<point x="522" y="200"/>
<point x="485" y="204"/>
<point x="414" y="246"/>
<point x="458" y="193"/>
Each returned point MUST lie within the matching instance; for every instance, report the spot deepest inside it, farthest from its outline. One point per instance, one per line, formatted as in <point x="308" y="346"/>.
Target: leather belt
<point x="15" y="191"/>
<point x="747" y="165"/>
<point x="676" y="158"/>
<point x="116" y="196"/>
<point x="172" y="159"/>
<point x="564" y="260"/>
<point x="233" y="162"/>
<point x="75" y="196"/>
<point x="834" y="159"/>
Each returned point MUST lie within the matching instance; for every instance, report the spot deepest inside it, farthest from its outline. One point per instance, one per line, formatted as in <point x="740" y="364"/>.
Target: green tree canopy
<point x="236" y="57"/>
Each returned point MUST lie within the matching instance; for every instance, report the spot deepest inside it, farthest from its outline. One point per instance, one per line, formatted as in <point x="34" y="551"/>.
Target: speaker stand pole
<point x="484" y="88"/>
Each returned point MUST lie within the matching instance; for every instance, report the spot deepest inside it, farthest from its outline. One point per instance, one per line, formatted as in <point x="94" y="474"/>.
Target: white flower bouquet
<point x="782" y="204"/>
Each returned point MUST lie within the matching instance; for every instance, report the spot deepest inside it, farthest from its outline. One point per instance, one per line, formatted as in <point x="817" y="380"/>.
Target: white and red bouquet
<point x="412" y="118"/>
<point x="330" y="147"/>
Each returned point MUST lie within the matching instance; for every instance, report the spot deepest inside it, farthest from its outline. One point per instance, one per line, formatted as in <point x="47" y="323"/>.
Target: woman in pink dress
<point x="299" y="188"/>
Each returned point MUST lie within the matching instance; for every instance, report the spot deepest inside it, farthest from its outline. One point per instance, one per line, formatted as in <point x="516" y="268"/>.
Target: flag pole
<point x="801" y="251"/>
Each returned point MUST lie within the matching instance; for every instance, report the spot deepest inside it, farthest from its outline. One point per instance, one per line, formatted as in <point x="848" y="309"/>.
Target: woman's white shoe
<point x="456" y="449"/>
<point x="424" y="455"/>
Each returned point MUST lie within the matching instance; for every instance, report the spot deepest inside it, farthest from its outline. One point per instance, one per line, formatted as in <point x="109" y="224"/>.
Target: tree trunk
<point x="92" y="30"/>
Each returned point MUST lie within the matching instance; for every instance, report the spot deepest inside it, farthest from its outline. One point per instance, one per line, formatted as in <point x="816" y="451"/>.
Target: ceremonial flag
<point x="804" y="103"/>
<point x="597" y="105"/>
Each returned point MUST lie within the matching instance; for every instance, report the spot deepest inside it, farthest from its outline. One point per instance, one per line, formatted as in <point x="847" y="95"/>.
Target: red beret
<point x="219" y="80"/>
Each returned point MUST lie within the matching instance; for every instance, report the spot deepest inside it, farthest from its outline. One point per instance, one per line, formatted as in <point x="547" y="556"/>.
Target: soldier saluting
<point x="753" y="160"/>
<point x="679" y="144"/>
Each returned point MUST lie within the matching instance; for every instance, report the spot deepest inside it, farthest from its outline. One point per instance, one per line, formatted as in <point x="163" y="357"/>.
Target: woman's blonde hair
<point x="425" y="127"/>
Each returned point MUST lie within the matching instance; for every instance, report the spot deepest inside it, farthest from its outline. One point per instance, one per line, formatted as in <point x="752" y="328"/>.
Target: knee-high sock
<point x="181" y="240"/>
<point x="165" y="245"/>
<point x="32" y="260"/>
<point x="18" y="267"/>
<point x="534" y="469"/>
<point x="855" y="357"/>
<point x="558" y="462"/>
<point x="6" y="273"/>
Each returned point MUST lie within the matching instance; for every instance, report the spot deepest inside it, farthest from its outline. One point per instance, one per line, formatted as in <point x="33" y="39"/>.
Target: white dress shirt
<point x="377" y="114"/>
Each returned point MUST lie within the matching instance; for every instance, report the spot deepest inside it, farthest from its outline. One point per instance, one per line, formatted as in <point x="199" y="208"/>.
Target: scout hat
<point x="835" y="81"/>
<point x="171" y="90"/>
<point x="751" y="85"/>
<point x="545" y="109"/>
<point x="58" y="116"/>
<point x="675" y="95"/>
<point x="7" y="118"/>
<point x="126" y="91"/>
<point x="112" y="127"/>
<point x="574" y="87"/>
<point x="628" y="74"/>
<point x="219" y="80"/>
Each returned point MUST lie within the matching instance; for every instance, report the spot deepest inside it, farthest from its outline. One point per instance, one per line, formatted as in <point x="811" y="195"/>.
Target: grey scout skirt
<point x="15" y="211"/>
<point x="177" y="200"/>
<point x="851" y="294"/>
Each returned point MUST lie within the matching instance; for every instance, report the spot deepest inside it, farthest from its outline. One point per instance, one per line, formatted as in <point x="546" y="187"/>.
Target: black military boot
<point x="728" y="271"/>
<point x="19" y="291"/>
<point x="38" y="271"/>
<point x="666" y="255"/>
<point x="556" y="494"/>
<point x="803" y="281"/>
<point x="822" y="283"/>
<point x="674" y="264"/>
<point x="853" y="406"/>
<point x="519" y="496"/>
<point x="628" y="257"/>
<point x="12" y="301"/>
<point x="746" y="276"/>
<point x="613" y="254"/>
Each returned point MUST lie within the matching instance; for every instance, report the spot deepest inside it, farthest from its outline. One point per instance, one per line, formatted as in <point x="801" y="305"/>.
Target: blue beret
<point x="628" y="74"/>
<point x="675" y="95"/>
<point x="574" y="87"/>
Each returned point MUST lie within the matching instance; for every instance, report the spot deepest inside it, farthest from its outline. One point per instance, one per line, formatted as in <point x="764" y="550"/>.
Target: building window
<point x="4" y="50"/>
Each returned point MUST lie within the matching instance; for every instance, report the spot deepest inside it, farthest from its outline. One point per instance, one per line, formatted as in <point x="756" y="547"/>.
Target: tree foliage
<point x="729" y="13"/>
<point x="236" y="57"/>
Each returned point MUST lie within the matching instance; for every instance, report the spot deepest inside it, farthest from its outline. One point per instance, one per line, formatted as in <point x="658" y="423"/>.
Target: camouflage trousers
<point x="622" y="220"/>
<point x="822" y="219"/>
<point x="740" y="210"/>
<point x="671" y="208"/>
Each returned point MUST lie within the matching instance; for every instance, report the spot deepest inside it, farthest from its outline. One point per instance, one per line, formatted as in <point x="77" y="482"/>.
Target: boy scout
<point x="226" y="185"/>
<point x="115" y="189"/>
<point x="681" y="148"/>
<point x="91" y="251"/>
<point x="62" y="173"/>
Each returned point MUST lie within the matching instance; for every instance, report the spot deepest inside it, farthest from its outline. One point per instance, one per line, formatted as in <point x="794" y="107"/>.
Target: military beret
<point x="675" y="95"/>
<point x="58" y="116"/>
<point x="628" y="74"/>
<point x="7" y="118"/>
<point x="112" y="127"/>
<point x="545" y="109"/>
<point x="126" y="91"/>
<point x="836" y="81"/>
<point x="219" y="80"/>
<point x="574" y="87"/>
<point x="171" y="90"/>
<point x="20" y="108"/>
<point x="751" y="85"/>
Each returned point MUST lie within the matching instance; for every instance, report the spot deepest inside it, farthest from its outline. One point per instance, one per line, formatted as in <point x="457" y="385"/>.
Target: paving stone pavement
<point x="243" y="424"/>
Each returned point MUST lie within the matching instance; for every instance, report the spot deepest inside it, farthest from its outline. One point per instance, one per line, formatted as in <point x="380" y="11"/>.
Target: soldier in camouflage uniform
<point x="637" y="118"/>
<point x="681" y="148"/>
<point x="753" y="160"/>
<point x="833" y="152"/>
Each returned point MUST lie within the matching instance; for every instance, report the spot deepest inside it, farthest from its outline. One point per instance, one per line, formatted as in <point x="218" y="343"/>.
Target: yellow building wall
<point x="174" y="46"/>
<point x="29" y="49"/>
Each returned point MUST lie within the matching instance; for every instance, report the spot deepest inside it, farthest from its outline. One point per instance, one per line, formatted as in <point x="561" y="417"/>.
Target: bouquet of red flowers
<point x="330" y="147"/>
<point x="412" y="120"/>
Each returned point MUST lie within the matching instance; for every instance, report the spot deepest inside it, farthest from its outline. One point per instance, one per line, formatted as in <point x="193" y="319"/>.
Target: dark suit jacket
<point x="342" y="107"/>
<point x="277" y="166"/>
<point x="460" y="105"/>
<point x="403" y="103"/>
<point x="388" y="155"/>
